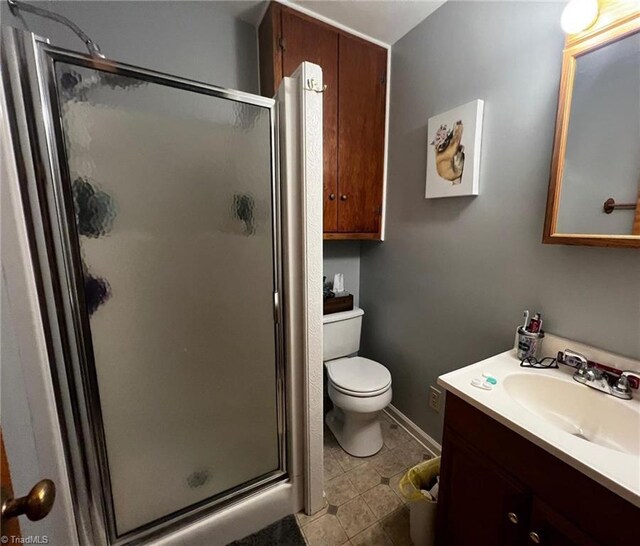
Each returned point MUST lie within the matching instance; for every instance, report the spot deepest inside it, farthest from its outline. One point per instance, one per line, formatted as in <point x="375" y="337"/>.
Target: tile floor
<point x="364" y="504"/>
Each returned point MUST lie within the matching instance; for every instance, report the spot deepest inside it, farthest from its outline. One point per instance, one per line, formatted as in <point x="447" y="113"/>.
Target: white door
<point x="30" y="426"/>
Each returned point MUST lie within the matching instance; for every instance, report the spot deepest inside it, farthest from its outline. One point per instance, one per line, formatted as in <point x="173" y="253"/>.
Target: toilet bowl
<point x="358" y="387"/>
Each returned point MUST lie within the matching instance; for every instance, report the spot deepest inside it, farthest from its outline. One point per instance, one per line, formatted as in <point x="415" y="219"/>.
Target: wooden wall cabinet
<point x="354" y="117"/>
<point x="499" y="489"/>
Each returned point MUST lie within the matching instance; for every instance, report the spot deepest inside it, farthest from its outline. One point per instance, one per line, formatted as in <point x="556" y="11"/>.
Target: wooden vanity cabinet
<point x="354" y="115"/>
<point x="477" y="497"/>
<point x="499" y="489"/>
<point x="554" y="529"/>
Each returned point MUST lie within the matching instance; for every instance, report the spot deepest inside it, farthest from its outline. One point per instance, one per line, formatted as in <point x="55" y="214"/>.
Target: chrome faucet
<point x="622" y="389"/>
<point x="590" y="375"/>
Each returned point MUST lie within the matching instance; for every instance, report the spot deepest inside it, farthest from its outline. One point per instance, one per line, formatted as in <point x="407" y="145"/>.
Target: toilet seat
<point x="360" y="394"/>
<point x="358" y="376"/>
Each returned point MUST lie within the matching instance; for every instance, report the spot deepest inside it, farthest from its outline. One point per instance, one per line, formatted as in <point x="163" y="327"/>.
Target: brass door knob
<point x="36" y="505"/>
<point x="332" y="196"/>
<point x="513" y="517"/>
<point x="535" y="537"/>
<point x="343" y="197"/>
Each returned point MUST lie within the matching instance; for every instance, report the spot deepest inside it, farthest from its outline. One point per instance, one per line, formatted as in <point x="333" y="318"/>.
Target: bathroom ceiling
<point x="384" y="20"/>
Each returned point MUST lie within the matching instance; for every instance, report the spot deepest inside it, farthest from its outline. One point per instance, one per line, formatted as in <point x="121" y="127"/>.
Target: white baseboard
<point x="420" y="435"/>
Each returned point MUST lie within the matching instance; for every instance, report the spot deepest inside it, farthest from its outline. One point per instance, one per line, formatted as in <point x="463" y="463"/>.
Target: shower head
<point x="72" y="81"/>
<point x="16" y="6"/>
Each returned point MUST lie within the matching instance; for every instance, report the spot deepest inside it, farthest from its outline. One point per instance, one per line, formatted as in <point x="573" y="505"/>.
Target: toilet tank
<point x="341" y="333"/>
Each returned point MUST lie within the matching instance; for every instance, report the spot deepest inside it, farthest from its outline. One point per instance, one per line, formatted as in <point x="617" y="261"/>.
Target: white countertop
<point x="618" y="471"/>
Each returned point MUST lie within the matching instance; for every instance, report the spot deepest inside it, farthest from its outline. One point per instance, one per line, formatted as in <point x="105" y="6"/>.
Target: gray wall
<point x="449" y="285"/>
<point x="204" y="41"/>
<point x="343" y="257"/>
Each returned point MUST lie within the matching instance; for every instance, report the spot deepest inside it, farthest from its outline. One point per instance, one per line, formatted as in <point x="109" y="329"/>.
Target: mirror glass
<point x="602" y="157"/>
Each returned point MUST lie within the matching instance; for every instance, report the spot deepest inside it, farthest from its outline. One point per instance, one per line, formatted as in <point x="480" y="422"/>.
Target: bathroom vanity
<point x="539" y="459"/>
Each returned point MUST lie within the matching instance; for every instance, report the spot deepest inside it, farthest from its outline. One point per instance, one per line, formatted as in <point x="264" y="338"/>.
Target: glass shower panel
<point x="172" y="194"/>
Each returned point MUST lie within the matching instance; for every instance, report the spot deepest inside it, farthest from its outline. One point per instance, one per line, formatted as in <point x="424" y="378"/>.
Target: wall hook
<point x="313" y="85"/>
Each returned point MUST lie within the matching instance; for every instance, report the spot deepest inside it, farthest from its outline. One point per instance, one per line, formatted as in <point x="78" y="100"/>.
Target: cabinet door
<point x="361" y="132"/>
<point x="549" y="528"/>
<point x="478" y="504"/>
<point x="307" y="40"/>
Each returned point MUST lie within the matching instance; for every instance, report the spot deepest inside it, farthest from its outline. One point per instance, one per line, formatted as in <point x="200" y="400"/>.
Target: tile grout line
<point x="379" y="521"/>
<point x="342" y="526"/>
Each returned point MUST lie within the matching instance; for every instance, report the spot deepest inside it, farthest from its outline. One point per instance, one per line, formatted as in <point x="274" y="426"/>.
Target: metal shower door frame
<point x="46" y="190"/>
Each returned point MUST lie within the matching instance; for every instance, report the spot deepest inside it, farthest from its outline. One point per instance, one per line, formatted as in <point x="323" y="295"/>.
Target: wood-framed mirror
<point x="594" y="189"/>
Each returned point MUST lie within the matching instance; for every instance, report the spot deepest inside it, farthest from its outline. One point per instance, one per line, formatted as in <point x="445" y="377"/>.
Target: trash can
<point x="420" y="487"/>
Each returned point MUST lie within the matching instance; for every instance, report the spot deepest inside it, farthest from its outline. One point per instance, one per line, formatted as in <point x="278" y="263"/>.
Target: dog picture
<point x="453" y="155"/>
<point x="449" y="152"/>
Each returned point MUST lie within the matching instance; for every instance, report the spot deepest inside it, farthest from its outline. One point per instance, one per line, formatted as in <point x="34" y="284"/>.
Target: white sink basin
<point x="578" y="410"/>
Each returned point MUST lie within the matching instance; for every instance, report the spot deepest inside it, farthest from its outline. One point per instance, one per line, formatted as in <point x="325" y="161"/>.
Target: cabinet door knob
<point x="332" y="196"/>
<point x="535" y="537"/>
<point x="513" y="517"/>
<point x="343" y="197"/>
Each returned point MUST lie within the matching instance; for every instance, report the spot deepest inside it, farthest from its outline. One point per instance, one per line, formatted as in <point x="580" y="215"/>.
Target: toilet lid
<point x="358" y="374"/>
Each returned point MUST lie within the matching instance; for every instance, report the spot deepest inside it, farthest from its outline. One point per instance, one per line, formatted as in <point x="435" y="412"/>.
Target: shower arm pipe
<point x="94" y="49"/>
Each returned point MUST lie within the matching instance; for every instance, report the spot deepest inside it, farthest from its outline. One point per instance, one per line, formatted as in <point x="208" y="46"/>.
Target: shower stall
<point x="157" y="226"/>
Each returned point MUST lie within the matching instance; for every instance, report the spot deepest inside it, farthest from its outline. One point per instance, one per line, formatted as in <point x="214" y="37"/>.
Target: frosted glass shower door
<point x="171" y="191"/>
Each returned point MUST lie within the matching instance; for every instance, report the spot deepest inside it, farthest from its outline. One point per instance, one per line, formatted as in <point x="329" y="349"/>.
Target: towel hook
<point x="313" y="85"/>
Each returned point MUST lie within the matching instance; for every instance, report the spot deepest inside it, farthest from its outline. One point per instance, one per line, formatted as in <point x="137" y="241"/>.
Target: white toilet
<point x="358" y="387"/>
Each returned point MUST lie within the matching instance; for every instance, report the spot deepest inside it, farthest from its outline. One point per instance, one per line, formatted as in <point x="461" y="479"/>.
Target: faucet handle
<point x="622" y="388"/>
<point x="573" y="359"/>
